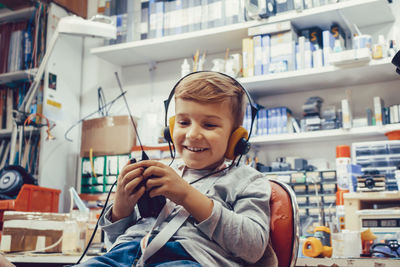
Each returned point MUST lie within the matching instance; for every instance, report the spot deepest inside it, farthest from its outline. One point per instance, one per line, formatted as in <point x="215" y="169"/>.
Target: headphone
<point x="396" y="61"/>
<point x="238" y="143"/>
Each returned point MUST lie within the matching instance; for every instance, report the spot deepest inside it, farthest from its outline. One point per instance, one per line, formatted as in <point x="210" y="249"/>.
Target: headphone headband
<point x="254" y="109"/>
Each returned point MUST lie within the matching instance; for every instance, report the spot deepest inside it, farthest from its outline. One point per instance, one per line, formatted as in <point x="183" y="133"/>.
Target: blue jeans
<point x="172" y="254"/>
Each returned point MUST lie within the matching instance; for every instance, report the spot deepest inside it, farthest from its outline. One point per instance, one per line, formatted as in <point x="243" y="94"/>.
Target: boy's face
<point x="201" y="132"/>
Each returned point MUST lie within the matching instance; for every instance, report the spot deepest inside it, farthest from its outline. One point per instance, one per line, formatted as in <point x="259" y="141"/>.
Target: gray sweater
<point x="237" y="230"/>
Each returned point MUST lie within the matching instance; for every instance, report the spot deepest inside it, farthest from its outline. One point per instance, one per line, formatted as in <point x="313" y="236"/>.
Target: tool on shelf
<point x="319" y="245"/>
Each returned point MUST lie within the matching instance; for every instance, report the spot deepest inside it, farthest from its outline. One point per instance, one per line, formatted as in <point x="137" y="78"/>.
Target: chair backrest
<point x="284" y="223"/>
<point x="284" y="226"/>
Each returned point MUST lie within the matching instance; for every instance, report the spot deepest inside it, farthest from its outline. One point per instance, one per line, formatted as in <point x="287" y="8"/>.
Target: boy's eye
<point x="183" y="123"/>
<point x="210" y="125"/>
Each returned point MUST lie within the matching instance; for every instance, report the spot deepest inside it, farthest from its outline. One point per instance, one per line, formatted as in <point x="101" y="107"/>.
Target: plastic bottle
<point x="392" y="48"/>
<point x="185" y="68"/>
<point x="343" y="177"/>
<point x="383" y="44"/>
<point x="337" y="47"/>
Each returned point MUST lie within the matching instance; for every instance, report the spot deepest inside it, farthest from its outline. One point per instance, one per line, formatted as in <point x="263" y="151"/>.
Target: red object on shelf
<point x="32" y="198"/>
<point x="393" y="135"/>
<point x="343" y="151"/>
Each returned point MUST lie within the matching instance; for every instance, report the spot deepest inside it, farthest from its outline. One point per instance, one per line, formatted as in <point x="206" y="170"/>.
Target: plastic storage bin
<point x="379" y="149"/>
<point x="32" y="198"/>
<point x="394" y="147"/>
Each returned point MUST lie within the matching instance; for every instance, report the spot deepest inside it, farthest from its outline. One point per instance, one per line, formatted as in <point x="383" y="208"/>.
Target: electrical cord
<point x="101" y="100"/>
<point x="91" y="114"/>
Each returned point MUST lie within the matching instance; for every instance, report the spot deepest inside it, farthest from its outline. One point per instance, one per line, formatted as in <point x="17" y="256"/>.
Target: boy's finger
<point x="156" y="191"/>
<point x="148" y="163"/>
<point x="132" y="185"/>
<point x="131" y="175"/>
<point x="153" y="171"/>
<point x="131" y="166"/>
<point x="154" y="182"/>
<point x="138" y="194"/>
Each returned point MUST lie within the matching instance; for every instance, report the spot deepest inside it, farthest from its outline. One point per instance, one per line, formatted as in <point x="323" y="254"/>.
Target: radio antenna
<point x="144" y="155"/>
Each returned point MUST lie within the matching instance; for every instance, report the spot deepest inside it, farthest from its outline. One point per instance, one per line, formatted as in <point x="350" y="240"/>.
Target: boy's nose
<point x="194" y="132"/>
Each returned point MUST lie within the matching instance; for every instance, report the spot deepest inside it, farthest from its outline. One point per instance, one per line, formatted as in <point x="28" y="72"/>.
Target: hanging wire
<point x="101" y="101"/>
<point x="91" y="114"/>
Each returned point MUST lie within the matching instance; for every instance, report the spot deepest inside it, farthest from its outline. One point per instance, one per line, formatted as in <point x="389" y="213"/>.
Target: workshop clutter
<point x="112" y="135"/>
<point x="379" y="161"/>
<point x="100" y="172"/>
<point x="31" y="198"/>
<point x="43" y="232"/>
<point x="349" y="206"/>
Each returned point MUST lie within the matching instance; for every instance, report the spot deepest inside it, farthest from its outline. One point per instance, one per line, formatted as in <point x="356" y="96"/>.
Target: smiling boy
<point x="228" y="205"/>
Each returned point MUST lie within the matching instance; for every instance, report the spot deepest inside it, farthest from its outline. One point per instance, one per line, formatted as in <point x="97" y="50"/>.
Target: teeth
<point x="195" y="149"/>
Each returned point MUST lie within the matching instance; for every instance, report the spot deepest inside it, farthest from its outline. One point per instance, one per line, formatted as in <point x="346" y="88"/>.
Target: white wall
<point x="145" y="94"/>
<point x="58" y="158"/>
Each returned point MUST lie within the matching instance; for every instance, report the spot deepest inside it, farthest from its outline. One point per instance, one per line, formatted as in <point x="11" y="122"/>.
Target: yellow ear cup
<point x="171" y="127"/>
<point x="236" y="136"/>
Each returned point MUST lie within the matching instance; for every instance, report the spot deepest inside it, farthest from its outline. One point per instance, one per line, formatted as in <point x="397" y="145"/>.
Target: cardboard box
<point x="112" y="135"/>
<point x="35" y="231"/>
<point x="26" y="231"/>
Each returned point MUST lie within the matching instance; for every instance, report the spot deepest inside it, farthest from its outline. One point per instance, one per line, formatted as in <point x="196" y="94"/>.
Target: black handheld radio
<point x="148" y="206"/>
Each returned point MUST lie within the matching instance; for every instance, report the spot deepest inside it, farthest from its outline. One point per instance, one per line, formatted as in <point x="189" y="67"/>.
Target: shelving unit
<point x="353" y="262"/>
<point x="326" y="77"/>
<point x="16" y="76"/>
<point x="29" y="129"/>
<point x="167" y="48"/>
<point x="12" y="16"/>
<point x="285" y="86"/>
<point x="328" y="135"/>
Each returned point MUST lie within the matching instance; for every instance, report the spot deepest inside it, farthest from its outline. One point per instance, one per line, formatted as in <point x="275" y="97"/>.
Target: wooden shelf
<point x="54" y="258"/>
<point x="373" y="196"/>
<point x="215" y="40"/>
<point x="16" y="76"/>
<point x="322" y="78"/>
<point x="328" y="135"/>
<point x="351" y="262"/>
<point x="21" y="14"/>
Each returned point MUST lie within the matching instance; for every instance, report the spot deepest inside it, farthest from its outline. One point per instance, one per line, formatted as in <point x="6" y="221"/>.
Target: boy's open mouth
<point x="195" y="149"/>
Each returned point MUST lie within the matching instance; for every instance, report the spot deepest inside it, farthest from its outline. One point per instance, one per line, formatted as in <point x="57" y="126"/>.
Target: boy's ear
<point x="237" y="144"/>
<point x="169" y="130"/>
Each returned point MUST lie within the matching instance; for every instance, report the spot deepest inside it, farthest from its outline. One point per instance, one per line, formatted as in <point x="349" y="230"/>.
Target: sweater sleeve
<point x="115" y="229"/>
<point x="243" y="231"/>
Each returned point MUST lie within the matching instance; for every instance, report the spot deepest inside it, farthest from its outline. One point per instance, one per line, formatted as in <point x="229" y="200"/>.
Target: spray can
<point x="343" y="177"/>
<point x="343" y="160"/>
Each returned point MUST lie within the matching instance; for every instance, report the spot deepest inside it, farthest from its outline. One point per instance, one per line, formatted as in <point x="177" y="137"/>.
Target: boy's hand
<point x="163" y="180"/>
<point x="127" y="194"/>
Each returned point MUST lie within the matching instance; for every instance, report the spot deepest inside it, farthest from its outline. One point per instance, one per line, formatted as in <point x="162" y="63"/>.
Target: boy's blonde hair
<point x="213" y="87"/>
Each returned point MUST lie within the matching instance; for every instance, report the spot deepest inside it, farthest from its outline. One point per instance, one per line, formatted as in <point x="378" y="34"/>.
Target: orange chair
<point x="284" y="225"/>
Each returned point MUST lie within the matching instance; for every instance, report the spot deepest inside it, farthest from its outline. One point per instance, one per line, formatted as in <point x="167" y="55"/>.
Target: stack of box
<point x="329" y="118"/>
<point x="274" y="48"/>
<point x="311" y="120"/>
<point x="274" y="121"/>
<point x="382" y="156"/>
